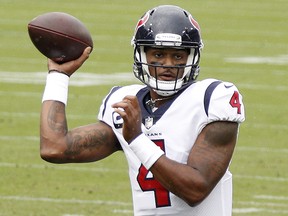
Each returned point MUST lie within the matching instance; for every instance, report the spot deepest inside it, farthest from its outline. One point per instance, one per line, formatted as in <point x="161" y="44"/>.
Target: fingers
<point x="127" y="102"/>
<point x="130" y="112"/>
<point x="70" y="67"/>
<point x="123" y="108"/>
<point x="128" y="107"/>
<point x="88" y="50"/>
<point x="84" y="56"/>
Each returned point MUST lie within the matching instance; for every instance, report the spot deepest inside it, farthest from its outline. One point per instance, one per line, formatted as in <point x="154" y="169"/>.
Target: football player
<point x="178" y="134"/>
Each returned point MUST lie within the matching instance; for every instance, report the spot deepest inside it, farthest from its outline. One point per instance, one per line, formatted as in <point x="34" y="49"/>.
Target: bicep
<point x="83" y="144"/>
<point x="91" y="142"/>
<point x="213" y="149"/>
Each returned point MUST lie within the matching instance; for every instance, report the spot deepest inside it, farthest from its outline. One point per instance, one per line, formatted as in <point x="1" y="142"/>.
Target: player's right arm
<point x="58" y="144"/>
<point x="83" y="144"/>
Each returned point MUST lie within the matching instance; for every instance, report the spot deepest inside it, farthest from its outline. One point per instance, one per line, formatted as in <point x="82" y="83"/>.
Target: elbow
<point x="51" y="153"/>
<point x="193" y="202"/>
<point x="195" y="197"/>
<point x="50" y="156"/>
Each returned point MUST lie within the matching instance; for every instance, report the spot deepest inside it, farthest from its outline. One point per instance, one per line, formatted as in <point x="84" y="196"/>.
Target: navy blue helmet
<point x="167" y="26"/>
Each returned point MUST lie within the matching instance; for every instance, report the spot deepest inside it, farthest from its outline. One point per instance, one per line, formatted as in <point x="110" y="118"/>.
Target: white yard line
<point x="72" y="201"/>
<point x="252" y="206"/>
<point x="94" y="117"/>
<point x="78" y="79"/>
<point x="269" y="126"/>
<point x="122" y="211"/>
<point x="238" y="148"/>
<point x="275" y="60"/>
<point x="75" y="201"/>
<point x="254" y="210"/>
<point x="269" y="197"/>
<point x="262" y="87"/>
<point x="262" y="149"/>
<point x="72" y="215"/>
<point x="262" y="204"/>
<point x="243" y="210"/>
<point x="61" y="167"/>
<point x="37" y="115"/>
<point x="40" y="93"/>
<point x="261" y="178"/>
<point x="87" y="169"/>
<point x="93" y="79"/>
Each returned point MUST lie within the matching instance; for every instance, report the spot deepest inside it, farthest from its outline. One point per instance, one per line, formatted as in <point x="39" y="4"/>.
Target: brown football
<point x="59" y="36"/>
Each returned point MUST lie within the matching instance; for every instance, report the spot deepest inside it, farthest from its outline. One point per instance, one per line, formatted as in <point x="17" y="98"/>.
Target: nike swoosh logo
<point x="228" y="86"/>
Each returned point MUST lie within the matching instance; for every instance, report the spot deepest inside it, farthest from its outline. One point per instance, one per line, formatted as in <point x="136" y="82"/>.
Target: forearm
<point x="182" y="180"/>
<point x="53" y="119"/>
<point x="53" y="125"/>
<point x="53" y="129"/>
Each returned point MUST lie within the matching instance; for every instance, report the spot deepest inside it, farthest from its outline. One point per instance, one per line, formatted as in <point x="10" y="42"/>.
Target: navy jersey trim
<point x="114" y="89"/>
<point x="208" y="94"/>
<point x="146" y="110"/>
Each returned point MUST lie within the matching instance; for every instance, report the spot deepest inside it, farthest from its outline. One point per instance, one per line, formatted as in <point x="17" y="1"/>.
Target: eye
<point x="158" y="55"/>
<point x="178" y="57"/>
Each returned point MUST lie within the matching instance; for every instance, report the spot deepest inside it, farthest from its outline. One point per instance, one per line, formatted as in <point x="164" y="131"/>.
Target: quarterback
<point x="178" y="134"/>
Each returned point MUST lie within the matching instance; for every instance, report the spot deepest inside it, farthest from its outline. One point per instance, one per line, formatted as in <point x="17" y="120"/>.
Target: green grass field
<point x="246" y="42"/>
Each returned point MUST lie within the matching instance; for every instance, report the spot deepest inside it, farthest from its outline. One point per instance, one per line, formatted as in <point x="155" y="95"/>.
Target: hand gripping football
<point x="59" y="36"/>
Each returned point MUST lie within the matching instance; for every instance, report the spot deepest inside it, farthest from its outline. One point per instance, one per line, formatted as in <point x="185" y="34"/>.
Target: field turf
<point x="246" y="42"/>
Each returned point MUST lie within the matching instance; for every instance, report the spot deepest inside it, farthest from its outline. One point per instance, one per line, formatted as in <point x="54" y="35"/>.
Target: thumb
<point x="85" y="55"/>
<point x="87" y="52"/>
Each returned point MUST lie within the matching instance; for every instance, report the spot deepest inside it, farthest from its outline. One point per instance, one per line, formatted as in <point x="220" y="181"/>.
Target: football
<point x="59" y="36"/>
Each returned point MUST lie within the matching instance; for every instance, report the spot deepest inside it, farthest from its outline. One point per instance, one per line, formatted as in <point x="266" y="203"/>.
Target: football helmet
<point x="167" y="26"/>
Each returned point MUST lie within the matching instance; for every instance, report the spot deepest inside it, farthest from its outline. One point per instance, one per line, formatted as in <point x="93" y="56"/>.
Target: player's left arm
<point x="207" y="163"/>
<point x="212" y="151"/>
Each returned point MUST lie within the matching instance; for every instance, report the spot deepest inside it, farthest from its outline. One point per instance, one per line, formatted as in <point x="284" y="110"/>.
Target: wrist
<point x="56" y="87"/>
<point x="57" y="71"/>
<point x="146" y="150"/>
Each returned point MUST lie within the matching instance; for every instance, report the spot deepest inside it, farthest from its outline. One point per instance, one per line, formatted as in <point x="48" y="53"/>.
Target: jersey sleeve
<point x="225" y="103"/>
<point x="106" y="113"/>
<point x="105" y="108"/>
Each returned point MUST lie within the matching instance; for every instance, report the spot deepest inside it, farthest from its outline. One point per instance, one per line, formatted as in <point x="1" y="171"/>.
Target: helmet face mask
<point x="167" y="27"/>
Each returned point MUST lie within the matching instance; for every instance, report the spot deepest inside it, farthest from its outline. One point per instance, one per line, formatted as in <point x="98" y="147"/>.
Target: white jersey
<point x="174" y="127"/>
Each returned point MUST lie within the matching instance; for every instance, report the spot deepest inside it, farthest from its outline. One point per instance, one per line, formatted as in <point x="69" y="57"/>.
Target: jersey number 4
<point x="235" y="102"/>
<point x="148" y="183"/>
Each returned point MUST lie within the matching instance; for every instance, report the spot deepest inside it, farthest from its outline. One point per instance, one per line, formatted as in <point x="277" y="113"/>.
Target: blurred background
<point x="246" y="42"/>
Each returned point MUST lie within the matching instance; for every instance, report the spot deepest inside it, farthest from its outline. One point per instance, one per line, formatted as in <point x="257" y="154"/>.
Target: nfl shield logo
<point x="148" y="122"/>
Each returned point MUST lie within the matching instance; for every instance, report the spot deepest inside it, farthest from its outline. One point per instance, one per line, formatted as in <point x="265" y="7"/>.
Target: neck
<point x="156" y="100"/>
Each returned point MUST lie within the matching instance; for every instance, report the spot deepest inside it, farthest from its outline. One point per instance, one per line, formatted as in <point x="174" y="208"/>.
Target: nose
<point x="168" y="61"/>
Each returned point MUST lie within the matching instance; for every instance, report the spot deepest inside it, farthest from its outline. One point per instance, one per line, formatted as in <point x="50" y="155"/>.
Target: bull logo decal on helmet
<point x="194" y="22"/>
<point x="142" y="21"/>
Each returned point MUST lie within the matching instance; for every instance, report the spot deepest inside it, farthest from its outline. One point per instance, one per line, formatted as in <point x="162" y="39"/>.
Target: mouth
<point x="165" y="73"/>
<point x="166" y="77"/>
